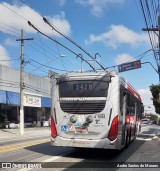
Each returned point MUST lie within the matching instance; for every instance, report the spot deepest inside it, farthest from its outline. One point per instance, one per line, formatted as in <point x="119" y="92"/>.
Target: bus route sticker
<point x="64" y="128"/>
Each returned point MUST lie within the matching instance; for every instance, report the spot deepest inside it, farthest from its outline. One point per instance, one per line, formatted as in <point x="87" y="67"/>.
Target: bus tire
<point x="127" y="140"/>
<point x="130" y="134"/>
<point x="139" y="129"/>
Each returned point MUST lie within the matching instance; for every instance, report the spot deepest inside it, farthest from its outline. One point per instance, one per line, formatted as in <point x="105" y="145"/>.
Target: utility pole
<point x="154" y="30"/>
<point x="22" y="81"/>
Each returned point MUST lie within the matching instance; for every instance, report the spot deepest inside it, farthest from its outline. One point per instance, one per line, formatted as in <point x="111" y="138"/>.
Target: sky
<point x="110" y="30"/>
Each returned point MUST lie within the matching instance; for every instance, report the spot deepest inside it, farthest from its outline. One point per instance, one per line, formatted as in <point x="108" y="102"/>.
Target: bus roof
<point x="131" y="89"/>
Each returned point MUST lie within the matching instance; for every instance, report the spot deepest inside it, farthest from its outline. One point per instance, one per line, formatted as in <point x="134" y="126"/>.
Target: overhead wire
<point x="49" y="66"/>
<point x="44" y="65"/>
<point x="139" y="57"/>
<point x="30" y="24"/>
<point x="144" y="8"/>
<point x="54" y="36"/>
<point x="53" y="27"/>
<point x="55" y="41"/>
<point x="10" y="26"/>
<point x="69" y="39"/>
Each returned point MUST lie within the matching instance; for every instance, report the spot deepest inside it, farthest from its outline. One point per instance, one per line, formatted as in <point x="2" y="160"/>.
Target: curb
<point x="8" y="131"/>
<point x="158" y="134"/>
<point x="12" y="134"/>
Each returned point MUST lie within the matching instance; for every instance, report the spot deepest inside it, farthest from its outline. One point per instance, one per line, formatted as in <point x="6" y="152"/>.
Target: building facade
<point x="37" y="99"/>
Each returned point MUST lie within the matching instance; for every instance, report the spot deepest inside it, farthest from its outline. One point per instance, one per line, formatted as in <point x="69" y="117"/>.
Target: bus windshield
<point x="84" y="88"/>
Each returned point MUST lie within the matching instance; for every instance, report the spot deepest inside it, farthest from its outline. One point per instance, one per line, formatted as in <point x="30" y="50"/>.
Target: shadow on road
<point x="87" y="158"/>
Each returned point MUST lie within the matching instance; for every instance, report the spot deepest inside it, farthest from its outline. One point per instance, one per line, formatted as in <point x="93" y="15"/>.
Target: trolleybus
<point x="94" y="110"/>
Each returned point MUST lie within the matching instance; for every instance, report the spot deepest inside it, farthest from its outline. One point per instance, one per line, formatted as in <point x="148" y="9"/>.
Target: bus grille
<point x="82" y="107"/>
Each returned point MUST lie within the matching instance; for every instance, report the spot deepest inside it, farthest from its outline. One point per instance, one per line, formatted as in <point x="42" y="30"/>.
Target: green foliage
<point x="154" y="117"/>
<point x="155" y="90"/>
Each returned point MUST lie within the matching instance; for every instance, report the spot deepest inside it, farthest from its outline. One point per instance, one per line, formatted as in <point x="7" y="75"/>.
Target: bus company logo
<point x="6" y="166"/>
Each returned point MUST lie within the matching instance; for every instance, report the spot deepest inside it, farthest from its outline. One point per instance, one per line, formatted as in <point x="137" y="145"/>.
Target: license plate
<point x="81" y="130"/>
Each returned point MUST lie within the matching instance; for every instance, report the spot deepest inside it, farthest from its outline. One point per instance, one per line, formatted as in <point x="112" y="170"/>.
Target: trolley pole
<point x="22" y="81"/>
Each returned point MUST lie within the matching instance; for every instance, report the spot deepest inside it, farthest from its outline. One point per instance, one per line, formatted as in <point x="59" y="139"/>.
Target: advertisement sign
<point x="32" y="101"/>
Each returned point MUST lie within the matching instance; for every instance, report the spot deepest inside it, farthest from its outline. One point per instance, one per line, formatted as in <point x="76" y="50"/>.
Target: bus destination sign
<point x="129" y="66"/>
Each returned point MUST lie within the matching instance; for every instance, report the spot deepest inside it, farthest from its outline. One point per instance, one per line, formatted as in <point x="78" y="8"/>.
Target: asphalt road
<point x="60" y="158"/>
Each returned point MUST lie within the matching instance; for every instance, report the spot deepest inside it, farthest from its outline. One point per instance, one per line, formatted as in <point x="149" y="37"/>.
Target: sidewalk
<point x="14" y="134"/>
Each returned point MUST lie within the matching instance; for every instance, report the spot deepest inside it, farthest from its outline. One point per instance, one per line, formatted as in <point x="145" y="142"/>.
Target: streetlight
<point x="158" y="71"/>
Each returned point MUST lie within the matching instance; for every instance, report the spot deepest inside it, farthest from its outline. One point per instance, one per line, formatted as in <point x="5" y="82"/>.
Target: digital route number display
<point x="82" y="87"/>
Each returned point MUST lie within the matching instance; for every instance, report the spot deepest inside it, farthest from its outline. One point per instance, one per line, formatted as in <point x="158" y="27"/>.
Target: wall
<point x="10" y="81"/>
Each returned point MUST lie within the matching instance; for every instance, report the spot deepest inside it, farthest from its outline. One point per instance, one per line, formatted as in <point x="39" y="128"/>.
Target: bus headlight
<point x="73" y="119"/>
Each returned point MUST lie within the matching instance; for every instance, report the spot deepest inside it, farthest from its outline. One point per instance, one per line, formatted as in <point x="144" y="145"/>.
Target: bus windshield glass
<point x="84" y="88"/>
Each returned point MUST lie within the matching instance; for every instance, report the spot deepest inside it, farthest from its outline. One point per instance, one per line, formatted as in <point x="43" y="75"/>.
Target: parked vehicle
<point x="146" y="121"/>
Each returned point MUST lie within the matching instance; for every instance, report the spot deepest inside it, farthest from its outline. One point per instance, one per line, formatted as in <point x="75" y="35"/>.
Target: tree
<point x="154" y="117"/>
<point x="155" y="90"/>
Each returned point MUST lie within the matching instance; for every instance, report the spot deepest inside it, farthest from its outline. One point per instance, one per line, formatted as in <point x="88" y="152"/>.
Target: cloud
<point x="118" y="35"/>
<point x="14" y="17"/>
<point x="147" y="100"/>
<point x="97" y="7"/>
<point x="61" y="2"/>
<point x="123" y="58"/>
<point x="10" y="42"/>
<point x="4" y="57"/>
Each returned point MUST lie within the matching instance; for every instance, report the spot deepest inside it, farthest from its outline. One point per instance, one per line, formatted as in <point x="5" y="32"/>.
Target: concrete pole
<point x="22" y="82"/>
<point x="22" y="85"/>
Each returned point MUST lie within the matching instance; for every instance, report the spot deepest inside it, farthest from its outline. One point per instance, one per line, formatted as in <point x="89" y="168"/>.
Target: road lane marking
<point x="143" y="139"/>
<point x="52" y="159"/>
<point x="22" y="145"/>
<point x="155" y="137"/>
<point x="24" y="138"/>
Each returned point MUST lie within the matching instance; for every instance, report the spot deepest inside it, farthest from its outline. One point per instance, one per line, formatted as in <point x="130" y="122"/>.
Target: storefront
<point x="36" y="109"/>
<point x="37" y="101"/>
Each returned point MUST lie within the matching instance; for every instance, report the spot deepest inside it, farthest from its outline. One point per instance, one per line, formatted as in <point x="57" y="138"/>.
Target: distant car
<point x="154" y="122"/>
<point x="145" y="121"/>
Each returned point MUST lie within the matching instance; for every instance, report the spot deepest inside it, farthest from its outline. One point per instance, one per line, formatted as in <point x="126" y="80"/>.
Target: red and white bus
<point x="94" y="110"/>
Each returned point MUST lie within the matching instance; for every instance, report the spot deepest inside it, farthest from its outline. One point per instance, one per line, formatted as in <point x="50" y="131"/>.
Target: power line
<point x="46" y="21"/>
<point x="152" y="27"/>
<point x="82" y="59"/>
<point x="13" y="11"/>
<point x="30" y="24"/>
<point x="42" y="65"/>
<point x="137" y="57"/>
<point x="49" y="66"/>
<point x="8" y="59"/>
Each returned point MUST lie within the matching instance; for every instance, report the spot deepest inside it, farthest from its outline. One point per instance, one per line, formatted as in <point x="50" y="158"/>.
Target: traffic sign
<point x="129" y="66"/>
